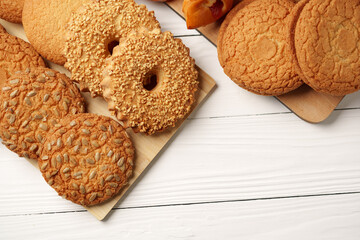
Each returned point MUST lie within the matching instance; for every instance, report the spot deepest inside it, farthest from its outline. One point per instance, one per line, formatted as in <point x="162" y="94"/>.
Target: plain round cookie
<point x="150" y="82"/>
<point x="93" y="32"/>
<point x="16" y="55"/>
<point x="326" y="42"/>
<point x="31" y="102"/>
<point x="45" y="25"/>
<point x="88" y="159"/>
<point x="253" y="47"/>
<point x="11" y="10"/>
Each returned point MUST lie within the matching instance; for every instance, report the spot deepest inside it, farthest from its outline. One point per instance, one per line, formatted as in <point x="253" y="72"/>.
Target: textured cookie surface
<point x="11" y="10"/>
<point x="253" y="47"/>
<point x="150" y="82"/>
<point x="327" y="45"/>
<point x="94" y="30"/>
<point x="31" y="102"/>
<point x="45" y="25"/>
<point x="88" y="158"/>
<point x="2" y="29"/>
<point x="16" y="55"/>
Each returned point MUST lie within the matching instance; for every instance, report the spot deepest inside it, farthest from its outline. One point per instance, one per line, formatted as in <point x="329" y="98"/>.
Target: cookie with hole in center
<point x="326" y="40"/>
<point x="87" y="159"/>
<point x="45" y="25"/>
<point x="2" y="29"/>
<point x="31" y="103"/>
<point x="93" y="32"/>
<point x="16" y="55"/>
<point x="11" y="10"/>
<point x="150" y="82"/>
<point x="253" y="47"/>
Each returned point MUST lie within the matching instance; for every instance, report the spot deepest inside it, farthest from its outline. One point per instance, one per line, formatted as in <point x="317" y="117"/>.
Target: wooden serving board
<point x="306" y="103"/>
<point x="146" y="147"/>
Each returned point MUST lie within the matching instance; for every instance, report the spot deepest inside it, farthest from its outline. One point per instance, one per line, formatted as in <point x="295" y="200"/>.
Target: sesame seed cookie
<point x="94" y="30"/>
<point x="326" y="43"/>
<point x="11" y="10"/>
<point x="87" y="159"/>
<point x="150" y="81"/>
<point x="16" y="55"/>
<point x="253" y="47"/>
<point x="45" y="25"/>
<point x="31" y="102"/>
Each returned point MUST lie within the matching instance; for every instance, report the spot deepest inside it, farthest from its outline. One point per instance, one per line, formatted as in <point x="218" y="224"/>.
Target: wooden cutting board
<point x="309" y="105"/>
<point x="146" y="147"/>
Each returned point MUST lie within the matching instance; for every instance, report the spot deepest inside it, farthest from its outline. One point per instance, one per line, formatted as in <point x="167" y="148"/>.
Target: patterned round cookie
<point x="11" y="10"/>
<point x="253" y="47"/>
<point x="31" y="102"/>
<point x="93" y="32"/>
<point x="87" y="159"/>
<point x="45" y="25"/>
<point x="150" y="81"/>
<point x="16" y="55"/>
<point x="326" y="42"/>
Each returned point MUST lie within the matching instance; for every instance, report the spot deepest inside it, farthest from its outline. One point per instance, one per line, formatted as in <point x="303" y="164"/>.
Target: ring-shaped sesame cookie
<point x="11" y="10"/>
<point x="45" y="25"/>
<point x="94" y="30"/>
<point x="16" y="55"/>
<point x="87" y="159"/>
<point x="150" y="81"/>
<point x="253" y="47"/>
<point x="2" y="29"/>
<point x="31" y="103"/>
<point x="326" y="39"/>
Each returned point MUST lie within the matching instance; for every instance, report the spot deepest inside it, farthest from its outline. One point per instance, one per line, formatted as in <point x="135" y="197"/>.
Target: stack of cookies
<point x="270" y="47"/>
<point x="114" y="49"/>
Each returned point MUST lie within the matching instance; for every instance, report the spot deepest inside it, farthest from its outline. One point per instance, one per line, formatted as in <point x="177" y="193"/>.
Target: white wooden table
<point x="242" y="167"/>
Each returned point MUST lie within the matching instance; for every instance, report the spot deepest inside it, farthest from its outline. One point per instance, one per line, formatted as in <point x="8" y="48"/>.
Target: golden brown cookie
<point x="150" y="82"/>
<point x="11" y="10"/>
<point x="45" y="25"/>
<point x="16" y="55"/>
<point x="253" y="47"/>
<point x="94" y="30"/>
<point x="31" y="102"/>
<point x="326" y="42"/>
<point x="88" y="159"/>
<point x="2" y="29"/>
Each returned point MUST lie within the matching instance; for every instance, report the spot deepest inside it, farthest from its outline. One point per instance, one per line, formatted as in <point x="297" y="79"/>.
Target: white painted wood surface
<point x="242" y="167"/>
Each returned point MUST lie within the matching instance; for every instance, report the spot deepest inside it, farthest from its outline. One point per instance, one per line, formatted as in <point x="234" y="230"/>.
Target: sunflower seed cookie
<point x="16" y="55"/>
<point x="94" y="30"/>
<point x="11" y="10"/>
<point x="326" y="38"/>
<point x="253" y="47"/>
<point x="31" y="102"/>
<point x="150" y="82"/>
<point x="45" y="25"/>
<point x="88" y="159"/>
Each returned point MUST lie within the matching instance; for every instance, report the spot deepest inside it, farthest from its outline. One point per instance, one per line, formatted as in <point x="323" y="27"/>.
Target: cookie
<point x="31" y="102"/>
<point x="93" y="32"/>
<point x="87" y="159"/>
<point x="253" y="47"/>
<point x="326" y="43"/>
<point x="11" y="10"/>
<point x="16" y="55"/>
<point x="150" y="82"/>
<point x="2" y="29"/>
<point x="45" y="25"/>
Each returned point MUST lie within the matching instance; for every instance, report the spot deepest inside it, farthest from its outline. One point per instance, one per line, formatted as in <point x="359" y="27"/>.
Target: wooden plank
<point x="220" y="159"/>
<point x="304" y="102"/>
<point x="327" y="217"/>
<point x="147" y="147"/>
